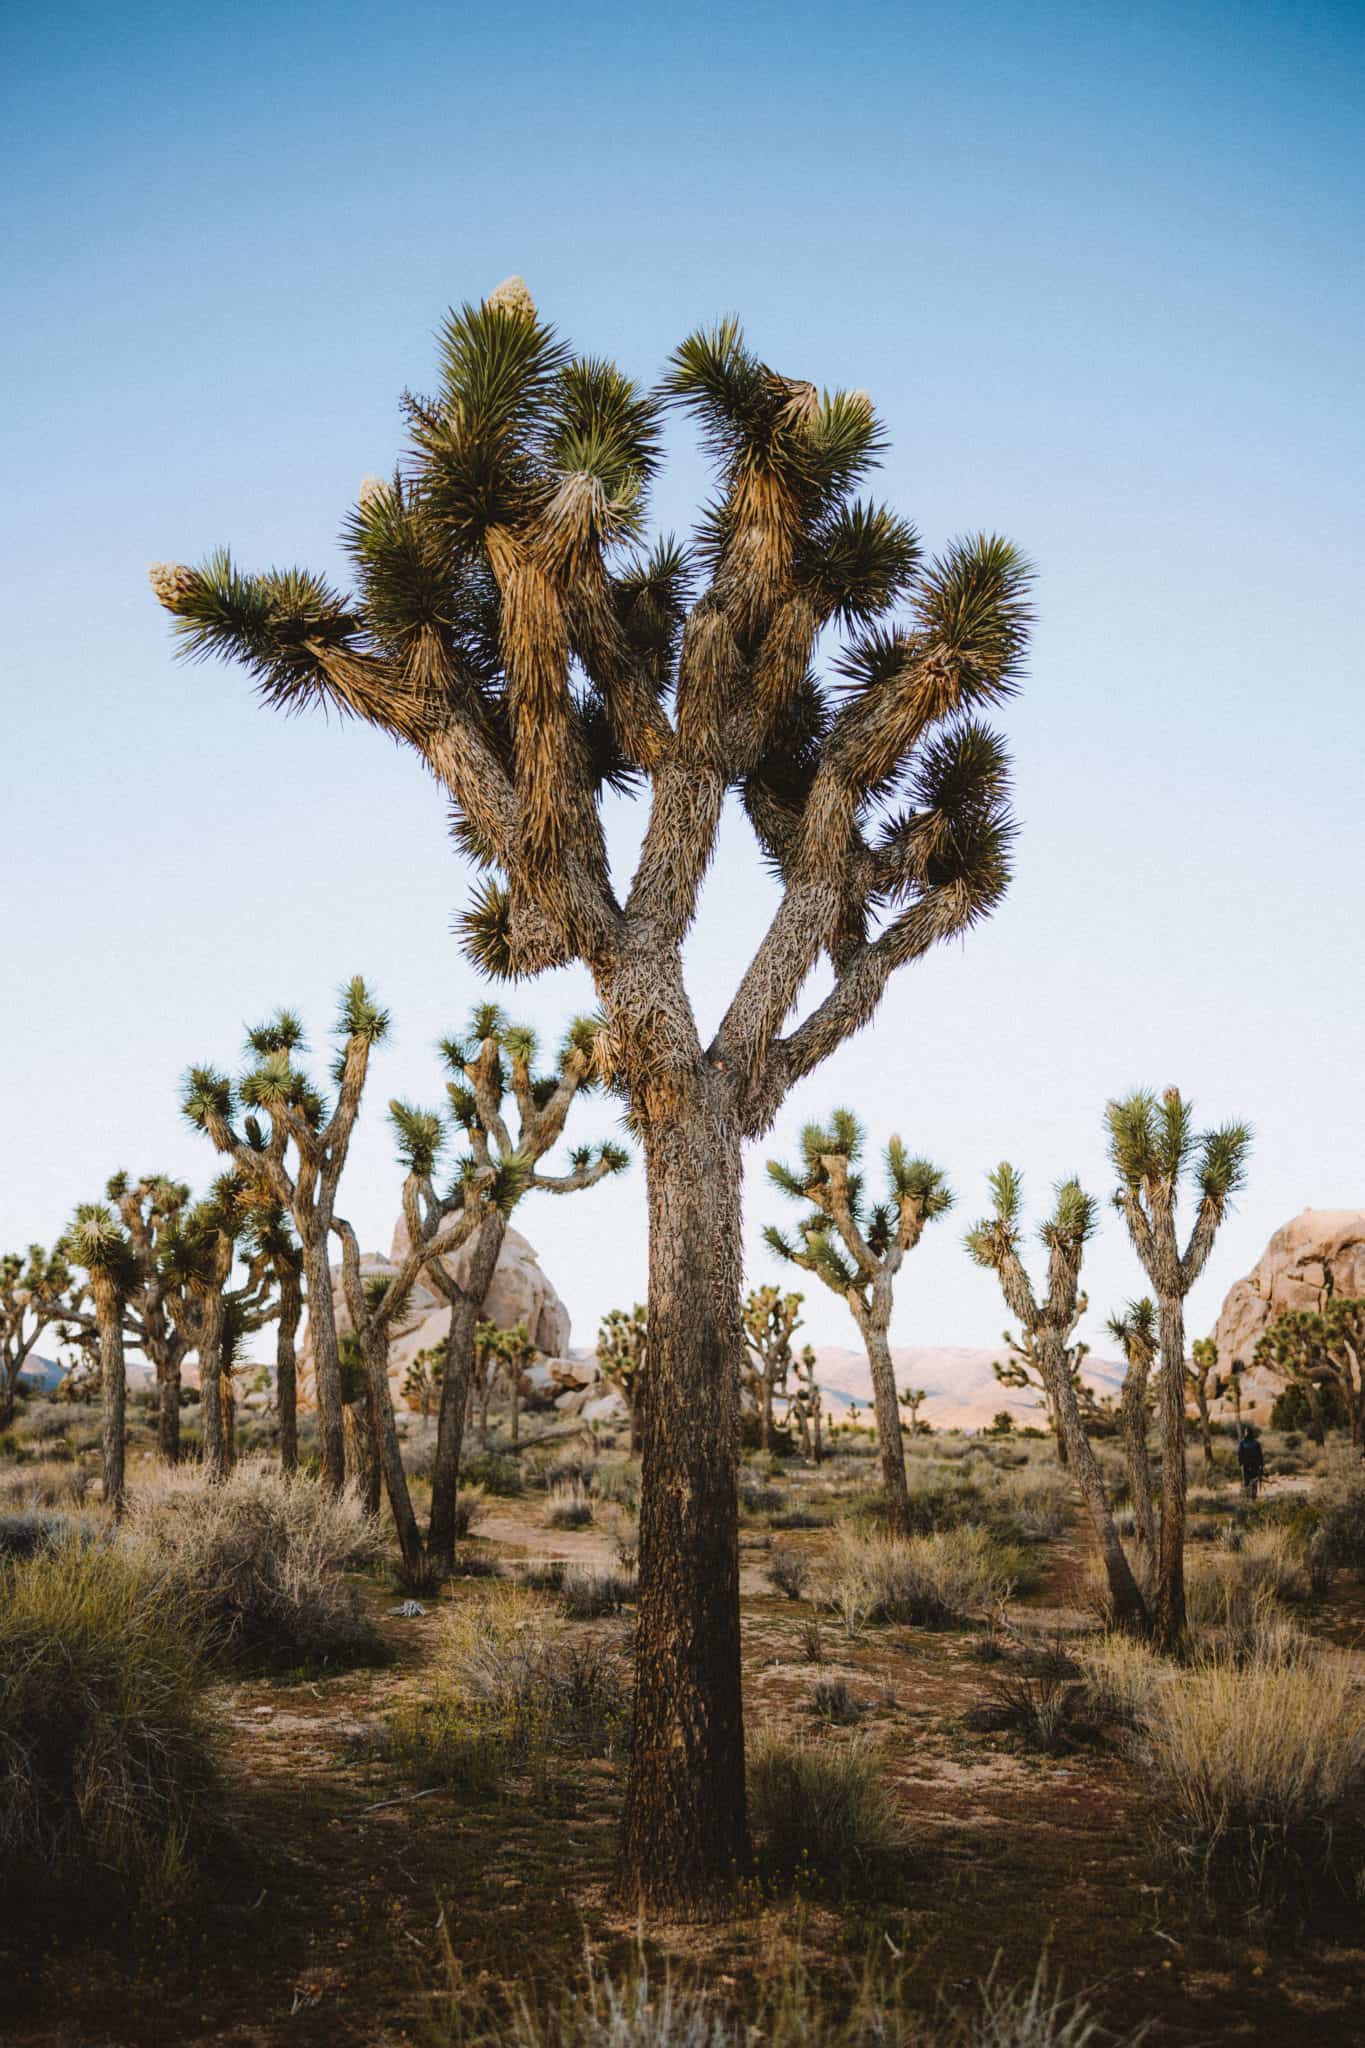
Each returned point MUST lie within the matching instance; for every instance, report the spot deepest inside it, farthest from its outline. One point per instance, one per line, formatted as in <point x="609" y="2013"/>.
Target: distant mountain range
<point x="963" y="1392"/>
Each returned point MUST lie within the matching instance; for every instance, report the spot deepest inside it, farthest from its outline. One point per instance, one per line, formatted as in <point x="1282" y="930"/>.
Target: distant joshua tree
<point x="495" y="1061"/>
<point x="622" y="1350"/>
<point x="422" y="1381"/>
<point x="1049" y="1320"/>
<point x="1135" y="1330"/>
<point x="1155" y="1149"/>
<point x="37" y="1290"/>
<point x="505" y="628"/>
<point x="1316" y="1349"/>
<point x="96" y="1241"/>
<point x="1022" y="1369"/>
<point x="770" y="1319"/>
<point x="276" y="1252"/>
<point x="1201" y="1376"/>
<point x="857" y="1251"/>
<point x="298" y="1162"/>
<point x="805" y="1404"/>
<point x="912" y="1399"/>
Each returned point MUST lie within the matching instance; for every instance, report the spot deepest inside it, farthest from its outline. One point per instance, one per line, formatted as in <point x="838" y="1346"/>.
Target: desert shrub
<point x="589" y="1593"/>
<point x="1044" y="1708"/>
<point x="45" y="1483"/>
<point x="619" y="1483"/>
<point x="1120" y="1674"/>
<point x="261" y="1562"/>
<point x="471" y="1507"/>
<point x="812" y="1640"/>
<point x="832" y="1700"/>
<point x="801" y="1518"/>
<point x="107" y="1783"/>
<point x="571" y="1468"/>
<point x="756" y="1497"/>
<point x="822" y="1819"/>
<point x="43" y="1421"/>
<point x="570" y="1507"/>
<point x="1229" y="1603"/>
<point x="511" y="1690"/>
<point x="24" y="1531"/>
<point x="1252" y="1768"/>
<point x="544" y="1576"/>
<point x="494" y="1472"/>
<point x="626" y="1543"/>
<point x="1032" y="1506"/>
<point x="1329" y="1529"/>
<point x="950" y="1575"/>
<point x="788" y="1572"/>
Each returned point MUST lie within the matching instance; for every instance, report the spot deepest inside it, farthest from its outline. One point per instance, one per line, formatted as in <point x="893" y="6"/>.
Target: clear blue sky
<point x="1100" y="267"/>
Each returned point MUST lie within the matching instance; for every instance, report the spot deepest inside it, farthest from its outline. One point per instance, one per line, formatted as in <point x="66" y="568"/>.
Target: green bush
<point x="108" y="1792"/>
<point x="822" y="1820"/>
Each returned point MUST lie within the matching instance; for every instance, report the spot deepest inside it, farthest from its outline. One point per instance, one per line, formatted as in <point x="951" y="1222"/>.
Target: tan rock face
<point x="520" y="1293"/>
<point x="1292" y="1273"/>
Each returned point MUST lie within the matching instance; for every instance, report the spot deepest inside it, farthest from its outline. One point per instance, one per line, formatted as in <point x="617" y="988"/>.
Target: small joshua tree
<point x="1200" y="1375"/>
<point x="276" y="1252"/>
<point x="507" y="626"/>
<point x="912" y="1399"/>
<point x="150" y="1210"/>
<point x="380" y="1306"/>
<point x="198" y="1253"/>
<point x="97" y="1242"/>
<point x="37" y="1290"/>
<point x="1155" y="1150"/>
<point x="1316" y="1349"/>
<point x="994" y="1243"/>
<point x="1021" y="1369"/>
<point x="805" y="1404"/>
<point x="422" y="1380"/>
<point x="493" y="1082"/>
<point x="1135" y="1330"/>
<point x="297" y="1163"/>
<point x="487" y="1370"/>
<point x="622" y="1349"/>
<point x="518" y="1355"/>
<point x="770" y="1318"/>
<point x="857" y="1251"/>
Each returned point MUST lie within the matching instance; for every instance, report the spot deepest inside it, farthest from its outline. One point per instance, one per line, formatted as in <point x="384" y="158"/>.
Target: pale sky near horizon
<point x="1100" y="268"/>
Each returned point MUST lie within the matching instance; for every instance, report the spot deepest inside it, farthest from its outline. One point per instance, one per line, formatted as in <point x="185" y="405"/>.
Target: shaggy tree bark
<point x="1135" y="1330"/>
<point x="679" y="1849"/>
<point x="466" y="1308"/>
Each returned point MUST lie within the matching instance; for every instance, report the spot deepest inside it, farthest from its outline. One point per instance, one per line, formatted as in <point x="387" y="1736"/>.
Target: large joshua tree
<point x="508" y="626"/>
<point x="1156" y="1151"/>
<point x="298" y="1163"/>
<point x="1049" y="1320"/>
<point x="857" y="1249"/>
<point x="37" y="1289"/>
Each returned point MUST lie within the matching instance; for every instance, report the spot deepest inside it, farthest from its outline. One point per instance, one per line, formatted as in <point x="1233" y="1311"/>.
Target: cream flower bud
<point x="512" y="296"/>
<point x="171" y="582"/>
<point x="371" y="487"/>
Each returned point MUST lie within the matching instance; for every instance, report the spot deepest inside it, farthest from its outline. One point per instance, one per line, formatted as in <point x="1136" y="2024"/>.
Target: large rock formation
<point x="520" y="1293"/>
<point x="1321" y="1251"/>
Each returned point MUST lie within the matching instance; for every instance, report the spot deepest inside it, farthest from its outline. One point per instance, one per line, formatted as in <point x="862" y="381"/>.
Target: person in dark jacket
<point x="1251" y="1458"/>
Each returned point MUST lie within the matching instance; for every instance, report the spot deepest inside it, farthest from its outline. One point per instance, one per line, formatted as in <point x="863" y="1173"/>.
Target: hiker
<point x="1251" y="1458"/>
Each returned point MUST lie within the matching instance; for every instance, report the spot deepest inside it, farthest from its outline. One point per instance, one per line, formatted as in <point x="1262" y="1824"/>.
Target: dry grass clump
<point x="1330" y="1528"/>
<point x="822" y="1819"/>
<point x="1252" y="1768"/>
<point x="591" y="1592"/>
<point x="512" y="1691"/>
<point x="950" y="1575"/>
<point x="107" y="1782"/>
<point x="788" y="1571"/>
<point x="1230" y="1602"/>
<point x="1121" y="1674"/>
<point x="44" y="1483"/>
<point x="787" y="2007"/>
<point x="260" y="1564"/>
<point x="570" y="1506"/>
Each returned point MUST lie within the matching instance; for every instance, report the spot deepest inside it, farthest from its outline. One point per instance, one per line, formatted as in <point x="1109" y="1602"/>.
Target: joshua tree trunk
<point x="390" y="1454"/>
<point x="1059" y="1433"/>
<point x="1170" y="1597"/>
<point x="326" y="1361"/>
<point x="466" y="1307"/>
<point x="1133" y="1422"/>
<point x="113" y="1390"/>
<point x="1130" y="1609"/>
<point x="679" y="1849"/>
<point x="168" y="1413"/>
<point x="211" y="1386"/>
<point x="888" y="1414"/>
<point x="1201" y="1402"/>
<point x="1313" y="1394"/>
<point x="286" y="1367"/>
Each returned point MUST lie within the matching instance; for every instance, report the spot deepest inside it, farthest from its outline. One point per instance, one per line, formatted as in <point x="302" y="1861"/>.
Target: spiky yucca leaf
<point x="1222" y="1162"/>
<point x="1074" y="1217"/>
<point x="420" y="1134"/>
<point x="97" y="1241"/>
<point x="1007" y="1192"/>
<point x="485" y="931"/>
<point x="858" y="562"/>
<point x="281" y="1033"/>
<point x="359" y="1016"/>
<point x="918" y="1180"/>
<point x="520" y="1044"/>
<point x="206" y="1094"/>
<point x="972" y="604"/>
